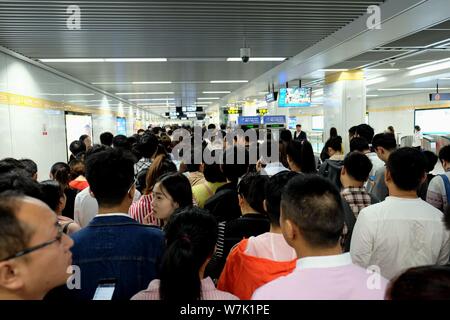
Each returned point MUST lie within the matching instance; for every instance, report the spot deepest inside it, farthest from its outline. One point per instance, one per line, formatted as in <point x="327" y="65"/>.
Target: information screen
<point x="434" y="121"/>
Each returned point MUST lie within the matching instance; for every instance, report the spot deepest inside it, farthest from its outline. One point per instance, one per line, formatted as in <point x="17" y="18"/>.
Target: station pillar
<point x="344" y="103"/>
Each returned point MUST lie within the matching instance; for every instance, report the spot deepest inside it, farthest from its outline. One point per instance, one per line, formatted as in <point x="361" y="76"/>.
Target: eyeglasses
<point x="39" y="246"/>
<point x="134" y="183"/>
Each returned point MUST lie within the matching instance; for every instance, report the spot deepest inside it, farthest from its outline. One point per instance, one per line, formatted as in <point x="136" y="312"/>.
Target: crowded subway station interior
<point x="225" y="150"/>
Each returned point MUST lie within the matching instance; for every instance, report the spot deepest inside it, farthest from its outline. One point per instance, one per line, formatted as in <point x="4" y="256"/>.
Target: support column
<point x="344" y="103"/>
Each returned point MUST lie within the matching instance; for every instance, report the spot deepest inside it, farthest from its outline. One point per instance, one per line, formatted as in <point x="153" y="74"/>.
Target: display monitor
<point x="294" y="97"/>
<point x="271" y="97"/>
<point x="433" y="121"/>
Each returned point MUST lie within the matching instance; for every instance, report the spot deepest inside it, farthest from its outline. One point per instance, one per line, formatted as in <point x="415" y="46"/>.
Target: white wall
<point x="398" y="111"/>
<point x="35" y="130"/>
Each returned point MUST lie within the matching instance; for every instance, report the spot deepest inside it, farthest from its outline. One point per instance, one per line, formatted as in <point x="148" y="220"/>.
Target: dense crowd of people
<point x="371" y="222"/>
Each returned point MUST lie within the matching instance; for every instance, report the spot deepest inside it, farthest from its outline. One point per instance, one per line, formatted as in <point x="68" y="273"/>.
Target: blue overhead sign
<point x="249" y="120"/>
<point x="439" y="96"/>
<point x="274" y="119"/>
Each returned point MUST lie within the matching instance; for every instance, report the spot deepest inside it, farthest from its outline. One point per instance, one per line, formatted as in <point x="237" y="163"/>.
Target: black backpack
<point x="331" y="169"/>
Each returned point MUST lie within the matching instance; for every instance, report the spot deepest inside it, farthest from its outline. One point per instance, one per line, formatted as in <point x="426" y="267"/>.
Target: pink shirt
<point x="325" y="278"/>
<point x="209" y="292"/>
<point x="142" y="208"/>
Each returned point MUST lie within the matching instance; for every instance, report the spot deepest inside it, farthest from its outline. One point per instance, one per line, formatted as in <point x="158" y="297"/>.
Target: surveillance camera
<point x="245" y="54"/>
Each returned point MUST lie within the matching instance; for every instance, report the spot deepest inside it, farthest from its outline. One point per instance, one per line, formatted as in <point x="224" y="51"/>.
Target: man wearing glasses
<point x="34" y="252"/>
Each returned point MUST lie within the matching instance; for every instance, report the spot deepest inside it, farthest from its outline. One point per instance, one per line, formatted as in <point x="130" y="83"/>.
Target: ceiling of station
<point x="195" y="36"/>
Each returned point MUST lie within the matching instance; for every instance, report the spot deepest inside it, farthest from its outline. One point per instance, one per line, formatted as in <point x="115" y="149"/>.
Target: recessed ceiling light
<point x="142" y="93"/>
<point x="135" y="59"/>
<point x="156" y="99"/>
<point x="73" y="60"/>
<point x="336" y="70"/>
<point x="206" y="92"/>
<point x="375" y="81"/>
<point x="228" y="81"/>
<point x="411" y="89"/>
<point x="233" y="59"/>
<point x="428" y="64"/>
<point x="151" y="82"/>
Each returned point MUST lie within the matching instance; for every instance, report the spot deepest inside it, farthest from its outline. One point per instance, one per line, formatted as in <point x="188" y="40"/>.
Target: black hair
<point x="314" y="205"/>
<point x="21" y="184"/>
<point x="421" y="283"/>
<point x="444" y="153"/>
<point x="95" y="149"/>
<point x="121" y="141"/>
<point x="446" y="217"/>
<point x="77" y="147"/>
<point x="298" y="125"/>
<point x="336" y="144"/>
<point x="82" y="137"/>
<point x="30" y="166"/>
<point x="407" y="168"/>
<point x="250" y="187"/>
<point x="231" y="167"/>
<point x="223" y="126"/>
<point x="211" y="126"/>
<point x="417" y="128"/>
<point x="384" y="140"/>
<point x="365" y="131"/>
<point x="191" y="236"/>
<point x="8" y="165"/>
<point x="52" y="193"/>
<point x="359" y="144"/>
<point x="60" y="172"/>
<point x="358" y="166"/>
<point x="14" y="235"/>
<point x="192" y="166"/>
<point x="110" y="175"/>
<point x="285" y="135"/>
<point x="272" y="193"/>
<point x="352" y="131"/>
<point x="106" y="138"/>
<point x="431" y="158"/>
<point x="212" y="172"/>
<point x="178" y="187"/>
<point x="333" y="132"/>
<point x="302" y="154"/>
<point x="77" y="168"/>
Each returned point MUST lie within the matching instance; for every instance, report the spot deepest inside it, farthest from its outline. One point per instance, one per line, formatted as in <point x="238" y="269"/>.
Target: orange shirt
<point x="78" y="184"/>
<point x="243" y="274"/>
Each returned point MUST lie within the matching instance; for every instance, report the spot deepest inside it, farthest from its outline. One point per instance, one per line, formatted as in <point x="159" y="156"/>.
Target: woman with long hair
<point x="191" y="236"/>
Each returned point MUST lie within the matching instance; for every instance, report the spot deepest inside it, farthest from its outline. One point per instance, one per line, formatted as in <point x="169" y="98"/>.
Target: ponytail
<point x="191" y="235"/>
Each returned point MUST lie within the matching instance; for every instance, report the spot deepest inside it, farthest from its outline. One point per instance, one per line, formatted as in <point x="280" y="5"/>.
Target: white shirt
<point x="86" y="207"/>
<point x="398" y="234"/>
<point x="273" y="168"/>
<point x="417" y="140"/>
<point x="377" y="163"/>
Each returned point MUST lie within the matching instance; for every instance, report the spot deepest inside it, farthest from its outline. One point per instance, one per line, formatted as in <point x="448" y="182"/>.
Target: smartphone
<point x="105" y="289"/>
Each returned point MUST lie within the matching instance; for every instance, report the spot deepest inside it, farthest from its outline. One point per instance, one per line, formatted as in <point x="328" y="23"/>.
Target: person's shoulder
<point x="270" y="289"/>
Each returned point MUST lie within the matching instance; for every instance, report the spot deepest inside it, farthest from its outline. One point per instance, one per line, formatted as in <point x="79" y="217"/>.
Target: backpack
<point x="447" y="187"/>
<point x="331" y="169"/>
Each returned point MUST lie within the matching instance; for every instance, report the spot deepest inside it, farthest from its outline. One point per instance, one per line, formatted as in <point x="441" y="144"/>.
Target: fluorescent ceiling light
<point x="263" y="92"/>
<point x="228" y="81"/>
<point x="106" y="60"/>
<point x="206" y="92"/>
<point x="428" y="64"/>
<point x="107" y="83"/>
<point x="444" y="78"/>
<point x="156" y="104"/>
<point x="211" y="98"/>
<point x="151" y="82"/>
<point x="375" y="81"/>
<point x="391" y="69"/>
<point x="202" y="103"/>
<point x="68" y="94"/>
<point x="257" y="59"/>
<point x="333" y="70"/>
<point x="141" y="93"/>
<point x="135" y="59"/>
<point x="431" y="68"/>
<point x="372" y="95"/>
<point x="73" y="60"/>
<point x="318" y="92"/>
<point x="157" y="99"/>
<point x="411" y="89"/>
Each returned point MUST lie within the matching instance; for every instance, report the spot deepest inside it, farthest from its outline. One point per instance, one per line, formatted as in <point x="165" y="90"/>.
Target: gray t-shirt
<point x="378" y="188"/>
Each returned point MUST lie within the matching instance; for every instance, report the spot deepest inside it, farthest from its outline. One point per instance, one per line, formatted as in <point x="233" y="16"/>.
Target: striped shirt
<point x="140" y="209"/>
<point x="209" y="292"/>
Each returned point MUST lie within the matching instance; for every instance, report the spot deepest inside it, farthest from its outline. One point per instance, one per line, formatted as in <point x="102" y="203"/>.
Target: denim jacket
<point x="117" y="247"/>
